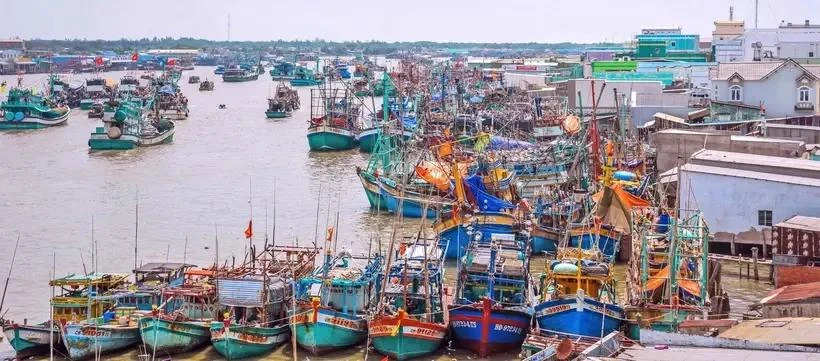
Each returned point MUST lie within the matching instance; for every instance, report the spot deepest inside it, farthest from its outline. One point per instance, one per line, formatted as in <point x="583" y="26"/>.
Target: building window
<point x="735" y="93"/>
<point x="764" y="218"/>
<point x="803" y="94"/>
<point x="811" y="54"/>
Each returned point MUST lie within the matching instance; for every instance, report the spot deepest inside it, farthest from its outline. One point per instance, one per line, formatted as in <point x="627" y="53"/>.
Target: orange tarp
<point x="437" y="174"/>
<point x="661" y="277"/>
<point x="615" y="206"/>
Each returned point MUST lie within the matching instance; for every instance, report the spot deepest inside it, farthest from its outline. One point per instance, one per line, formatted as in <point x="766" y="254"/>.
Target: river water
<point x="223" y="168"/>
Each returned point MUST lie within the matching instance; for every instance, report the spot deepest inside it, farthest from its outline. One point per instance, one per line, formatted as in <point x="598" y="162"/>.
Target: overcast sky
<point x="388" y="20"/>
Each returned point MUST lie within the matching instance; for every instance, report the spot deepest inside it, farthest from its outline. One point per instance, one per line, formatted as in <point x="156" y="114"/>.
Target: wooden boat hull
<point x="453" y="236"/>
<point x="324" y="138"/>
<point x="325" y="330"/>
<point x="99" y="140"/>
<point x="406" y="338"/>
<point x="484" y="330"/>
<point x="85" y="341"/>
<point x="9" y="122"/>
<point x="368" y="138"/>
<point x="578" y="317"/>
<point x="544" y="241"/>
<point x="412" y="205"/>
<point x="163" y="336"/>
<point x="237" y="342"/>
<point x="608" y="242"/>
<point x="371" y="190"/>
<point x="304" y="82"/>
<point x="31" y="340"/>
<point x="276" y="115"/>
<point x="86" y="104"/>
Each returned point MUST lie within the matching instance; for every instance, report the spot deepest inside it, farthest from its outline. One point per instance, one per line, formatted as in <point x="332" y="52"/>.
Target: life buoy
<point x="114" y="133"/>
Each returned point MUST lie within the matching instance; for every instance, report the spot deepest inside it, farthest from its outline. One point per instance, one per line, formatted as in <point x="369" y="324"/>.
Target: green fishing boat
<point x="240" y="74"/>
<point x="305" y="77"/>
<point x="132" y="126"/>
<point x="95" y="91"/>
<point x="333" y="121"/>
<point x="411" y="324"/>
<point x="283" y="103"/>
<point x="26" y="110"/>
<point x="236" y="342"/>
<point x="184" y="324"/>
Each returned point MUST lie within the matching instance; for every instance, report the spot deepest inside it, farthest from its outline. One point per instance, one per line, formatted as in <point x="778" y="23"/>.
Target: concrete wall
<point x="730" y="204"/>
<point x="606" y="104"/>
<point x="810" y="135"/>
<point x="671" y="144"/>
<point x="778" y="93"/>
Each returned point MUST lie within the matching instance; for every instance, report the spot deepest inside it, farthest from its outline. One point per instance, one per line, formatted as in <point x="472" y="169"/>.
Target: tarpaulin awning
<point x="615" y="206"/>
<point x="659" y="280"/>
<point x="485" y="201"/>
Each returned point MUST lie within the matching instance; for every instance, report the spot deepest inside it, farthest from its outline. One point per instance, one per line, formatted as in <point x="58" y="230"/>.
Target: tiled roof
<point x="748" y="71"/>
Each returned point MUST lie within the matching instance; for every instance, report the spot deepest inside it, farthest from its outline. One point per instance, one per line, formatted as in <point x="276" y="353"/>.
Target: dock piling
<point x="754" y="261"/>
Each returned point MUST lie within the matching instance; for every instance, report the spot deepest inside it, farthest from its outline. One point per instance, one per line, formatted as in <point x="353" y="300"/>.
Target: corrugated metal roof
<point x="793" y="293"/>
<point x="792" y="330"/>
<point x="755" y="159"/>
<point x="731" y="172"/>
<point x="802" y="222"/>
<point x="748" y="70"/>
<point x="240" y="292"/>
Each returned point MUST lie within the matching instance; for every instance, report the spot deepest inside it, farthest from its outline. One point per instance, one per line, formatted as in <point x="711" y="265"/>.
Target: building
<point x="677" y="145"/>
<point x="606" y="103"/>
<point x="741" y="195"/>
<point x="782" y="88"/>
<point x="796" y="41"/>
<point x="727" y="40"/>
<point x="796" y="252"/>
<point x="661" y="31"/>
<point x="13" y="44"/>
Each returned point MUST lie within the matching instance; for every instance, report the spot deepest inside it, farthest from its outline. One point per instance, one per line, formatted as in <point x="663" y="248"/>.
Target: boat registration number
<point x="508" y="328"/>
<point x="467" y="324"/>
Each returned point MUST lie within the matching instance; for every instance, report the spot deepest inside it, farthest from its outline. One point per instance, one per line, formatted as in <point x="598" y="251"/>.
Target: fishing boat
<point x="361" y="88"/>
<point x="412" y="203"/>
<point x="660" y="299"/>
<point x="170" y="103"/>
<point x="303" y="76"/>
<point x="412" y="323"/>
<point x="206" y="85"/>
<point x="220" y="69"/>
<point x="183" y="324"/>
<point x="334" y="302"/>
<point x="73" y="304"/>
<point x="492" y="310"/>
<point x="256" y="325"/>
<point x="132" y="126"/>
<point x="240" y="74"/>
<point x="193" y="79"/>
<point x="95" y="90"/>
<point x="334" y="120"/>
<point x="118" y="328"/>
<point x="283" y="103"/>
<point x="25" y="110"/>
<point x="283" y="71"/>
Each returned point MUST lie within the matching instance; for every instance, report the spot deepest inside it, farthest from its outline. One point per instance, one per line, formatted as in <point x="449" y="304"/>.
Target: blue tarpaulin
<point x="167" y="89"/>
<point x="484" y="200"/>
<point x="501" y="143"/>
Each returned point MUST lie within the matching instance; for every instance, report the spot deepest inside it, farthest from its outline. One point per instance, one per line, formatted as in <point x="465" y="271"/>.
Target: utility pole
<point x="757" y="3"/>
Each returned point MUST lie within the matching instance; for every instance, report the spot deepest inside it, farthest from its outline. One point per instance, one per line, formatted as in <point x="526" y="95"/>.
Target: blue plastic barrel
<point x="9" y="116"/>
<point x="19" y="116"/>
<point x="625" y="175"/>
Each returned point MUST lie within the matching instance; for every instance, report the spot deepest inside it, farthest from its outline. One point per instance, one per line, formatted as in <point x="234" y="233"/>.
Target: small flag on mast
<point x="249" y="230"/>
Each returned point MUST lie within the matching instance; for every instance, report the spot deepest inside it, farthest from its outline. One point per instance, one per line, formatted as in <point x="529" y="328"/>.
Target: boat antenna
<point x="316" y="230"/>
<point x="51" y="306"/>
<point x="273" y="231"/>
<point x="93" y="247"/>
<point x="11" y="267"/>
<point x="185" y="251"/>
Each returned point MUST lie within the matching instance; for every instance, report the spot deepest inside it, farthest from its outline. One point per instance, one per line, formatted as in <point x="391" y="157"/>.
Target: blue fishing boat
<point x="220" y="69"/>
<point x="334" y="303"/>
<point x="303" y="76"/>
<point x="585" y="305"/>
<point x="410" y="203"/>
<point x="492" y="310"/>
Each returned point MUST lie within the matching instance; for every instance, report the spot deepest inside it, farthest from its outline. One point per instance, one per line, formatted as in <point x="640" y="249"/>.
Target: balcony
<point x="804" y="106"/>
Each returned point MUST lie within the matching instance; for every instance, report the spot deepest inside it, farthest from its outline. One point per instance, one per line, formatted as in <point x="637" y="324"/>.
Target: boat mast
<point x="136" y="226"/>
<point x="11" y="267"/>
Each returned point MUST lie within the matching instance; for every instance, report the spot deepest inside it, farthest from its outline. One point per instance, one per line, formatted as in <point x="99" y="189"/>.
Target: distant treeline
<point x="318" y="45"/>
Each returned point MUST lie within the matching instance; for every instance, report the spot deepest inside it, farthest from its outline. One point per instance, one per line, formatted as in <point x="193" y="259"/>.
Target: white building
<point x="797" y="41"/>
<point x="740" y="193"/>
<point x="727" y="40"/>
<point x="783" y="88"/>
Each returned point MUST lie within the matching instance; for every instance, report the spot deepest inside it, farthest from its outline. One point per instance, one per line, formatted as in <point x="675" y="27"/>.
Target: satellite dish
<point x="564" y="349"/>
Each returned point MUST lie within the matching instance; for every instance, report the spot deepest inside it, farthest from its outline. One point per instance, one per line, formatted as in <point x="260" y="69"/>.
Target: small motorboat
<point x="193" y="79"/>
<point x="222" y="106"/>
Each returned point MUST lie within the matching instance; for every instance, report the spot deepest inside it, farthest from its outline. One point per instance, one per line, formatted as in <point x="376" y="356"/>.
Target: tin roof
<point x="161" y="267"/>
<point x="731" y="172"/>
<point x="793" y="293"/>
<point x="802" y="222"/>
<point x="732" y="158"/>
<point x="789" y="330"/>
